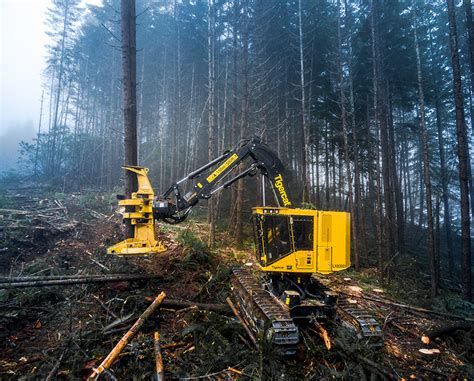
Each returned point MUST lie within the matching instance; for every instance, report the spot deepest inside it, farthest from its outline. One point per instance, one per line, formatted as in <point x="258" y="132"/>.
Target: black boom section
<point x="173" y="207"/>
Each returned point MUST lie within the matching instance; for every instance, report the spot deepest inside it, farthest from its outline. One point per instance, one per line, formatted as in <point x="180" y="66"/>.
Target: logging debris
<point x="158" y="357"/>
<point x="242" y="321"/>
<point x="450" y="329"/>
<point x="22" y="283"/>
<point x="112" y="356"/>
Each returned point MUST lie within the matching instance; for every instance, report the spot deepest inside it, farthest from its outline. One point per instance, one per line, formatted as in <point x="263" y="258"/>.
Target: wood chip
<point x="427" y="351"/>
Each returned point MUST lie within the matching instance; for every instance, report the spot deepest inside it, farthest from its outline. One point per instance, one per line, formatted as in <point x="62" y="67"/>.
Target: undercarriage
<point x="275" y="307"/>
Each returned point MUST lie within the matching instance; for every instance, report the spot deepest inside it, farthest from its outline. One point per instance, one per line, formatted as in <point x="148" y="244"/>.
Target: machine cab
<point x="301" y="240"/>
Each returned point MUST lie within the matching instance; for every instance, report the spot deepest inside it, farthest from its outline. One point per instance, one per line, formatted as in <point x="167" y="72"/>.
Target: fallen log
<point x="202" y="306"/>
<point x="73" y="281"/>
<point x="160" y="376"/>
<point x="434" y="333"/>
<point x="55" y="277"/>
<point x="112" y="356"/>
<point x="407" y="307"/>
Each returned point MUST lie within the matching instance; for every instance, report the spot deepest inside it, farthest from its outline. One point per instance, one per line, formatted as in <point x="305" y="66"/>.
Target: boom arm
<point x="173" y="207"/>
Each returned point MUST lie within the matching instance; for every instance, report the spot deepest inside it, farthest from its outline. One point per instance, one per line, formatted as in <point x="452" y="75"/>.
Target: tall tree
<point x="129" y="68"/>
<point x="38" y="136"/>
<point x="426" y="164"/>
<point x="463" y="153"/>
<point x="435" y="73"/>
<point x="212" y="111"/>
<point x="304" y="113"/>
<point x="382" y="120"/>
<point x="244" y="120"/>
<point x="470" y="37"/>
<point x="61" y="17"/>
<point x="344" y="128"/>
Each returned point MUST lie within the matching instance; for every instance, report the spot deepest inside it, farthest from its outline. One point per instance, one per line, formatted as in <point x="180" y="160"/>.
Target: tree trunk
<point x="244" y="122"/>
<point x="59" y="88"/>
<point x="470" y="35"/>
<point x="397" y="194"/>
<point x="462" y="150"/>
<point x="379" y="214"/>
<point x="38" y="135"/>
<point x="129" y="67"/>
<point x="443" y="168"/>
<point x="342" y="100"/>
<point x="212" y="118"/>
<point x="359" y="220"/>
<point x="304" y="114"/>
<point x="426" y="169"/>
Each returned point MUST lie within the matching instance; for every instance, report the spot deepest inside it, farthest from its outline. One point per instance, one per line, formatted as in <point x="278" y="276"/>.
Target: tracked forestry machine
<point x="294" y="248"/>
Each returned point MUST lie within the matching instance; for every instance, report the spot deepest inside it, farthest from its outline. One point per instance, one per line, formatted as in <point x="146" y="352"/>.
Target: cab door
<point x="325" y="237"/>
<point x="273" y="237"/>
<point x="303" y="236"/>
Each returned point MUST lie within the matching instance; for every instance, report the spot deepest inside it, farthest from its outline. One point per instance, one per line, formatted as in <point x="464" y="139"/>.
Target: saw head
<point x="139" y="211"/>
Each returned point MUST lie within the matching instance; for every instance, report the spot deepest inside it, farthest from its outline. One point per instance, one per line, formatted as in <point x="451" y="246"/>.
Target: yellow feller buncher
<point x="293" y="246"/>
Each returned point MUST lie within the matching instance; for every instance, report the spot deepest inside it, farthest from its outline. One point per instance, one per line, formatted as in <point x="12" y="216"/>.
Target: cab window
<point x="303" y="233"/>
<point x="276" y="237"/>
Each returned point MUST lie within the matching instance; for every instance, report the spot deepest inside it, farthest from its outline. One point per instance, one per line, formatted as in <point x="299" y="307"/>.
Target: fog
<point x="22" y="60"/>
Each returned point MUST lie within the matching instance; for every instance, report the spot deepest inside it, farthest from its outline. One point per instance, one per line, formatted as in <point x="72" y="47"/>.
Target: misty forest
<point x="296" y="201"/>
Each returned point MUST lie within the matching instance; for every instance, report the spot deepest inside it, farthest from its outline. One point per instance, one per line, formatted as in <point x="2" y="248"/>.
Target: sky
<point x="23" y="55"/>
<point x="22" y="60"/>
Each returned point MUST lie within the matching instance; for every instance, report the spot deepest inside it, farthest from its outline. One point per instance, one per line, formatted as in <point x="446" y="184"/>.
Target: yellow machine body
<point x="301" y="241"/>
<point x="141" y="218"/>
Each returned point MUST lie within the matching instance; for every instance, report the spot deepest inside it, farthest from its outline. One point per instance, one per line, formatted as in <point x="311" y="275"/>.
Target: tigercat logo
<point x="281" y="189"/>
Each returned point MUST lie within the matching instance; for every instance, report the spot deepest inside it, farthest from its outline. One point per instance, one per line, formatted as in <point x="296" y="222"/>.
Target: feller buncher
<point x="293" y="247"/>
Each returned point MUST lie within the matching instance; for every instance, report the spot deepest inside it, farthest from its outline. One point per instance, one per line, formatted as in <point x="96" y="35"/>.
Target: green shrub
<point x="189" y="240"/>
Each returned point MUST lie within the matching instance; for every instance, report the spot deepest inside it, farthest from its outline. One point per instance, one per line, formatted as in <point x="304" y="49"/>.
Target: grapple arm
<point x="141" y="218"/>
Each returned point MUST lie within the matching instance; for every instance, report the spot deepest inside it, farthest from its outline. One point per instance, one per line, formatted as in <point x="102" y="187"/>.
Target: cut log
<point x="407" y="307"/>
<point x="173" y="303"/>
<point x="59" y="277"/>
<point x="446" y="330"/>
<point x="160" y="375"/>
<point x="112" y="356"/>
<point x="73" y="281"/>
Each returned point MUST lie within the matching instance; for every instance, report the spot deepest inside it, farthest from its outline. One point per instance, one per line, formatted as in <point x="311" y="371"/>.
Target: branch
<point x="111" y="33"/>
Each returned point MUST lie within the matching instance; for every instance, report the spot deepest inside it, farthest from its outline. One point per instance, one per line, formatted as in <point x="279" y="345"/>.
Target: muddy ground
<point x="70" y="329"/>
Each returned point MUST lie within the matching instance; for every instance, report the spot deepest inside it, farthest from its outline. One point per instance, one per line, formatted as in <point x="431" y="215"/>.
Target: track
<point x="359" y="323"/>
<point x="266" y="315"/>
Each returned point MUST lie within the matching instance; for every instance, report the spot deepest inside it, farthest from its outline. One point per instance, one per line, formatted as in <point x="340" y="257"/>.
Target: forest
<point x="367" y="103"/>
